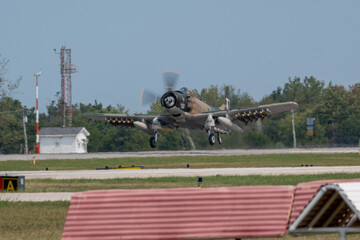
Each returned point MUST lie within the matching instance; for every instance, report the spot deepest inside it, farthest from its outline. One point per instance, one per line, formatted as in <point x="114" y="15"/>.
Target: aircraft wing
<point x="117" y="116"/>
<point x="231" y="119"/>
<point x="145" y="122"/>
<point x="268" y="109"/>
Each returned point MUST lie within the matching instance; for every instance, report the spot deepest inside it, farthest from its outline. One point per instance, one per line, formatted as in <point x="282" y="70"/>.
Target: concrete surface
<point x="222" y="152"/>
<point x="36" y="197"/>
<point x="182" y="172"/>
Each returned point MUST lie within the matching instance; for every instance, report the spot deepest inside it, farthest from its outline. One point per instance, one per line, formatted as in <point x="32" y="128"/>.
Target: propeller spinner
<point x="148" y="97"/>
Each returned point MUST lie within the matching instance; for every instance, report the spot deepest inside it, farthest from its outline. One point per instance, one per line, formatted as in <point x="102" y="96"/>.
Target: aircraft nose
<point x="168" y="100"/>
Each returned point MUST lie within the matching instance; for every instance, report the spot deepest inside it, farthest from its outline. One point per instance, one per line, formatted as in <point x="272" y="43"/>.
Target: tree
<point x="256" y="139"/>
<point x="7" y="87"/>
<point x="339" y="111"/>
<point x="215" y="96"/>
<point x="306" y="93"/>
<point x="11" y="137"/>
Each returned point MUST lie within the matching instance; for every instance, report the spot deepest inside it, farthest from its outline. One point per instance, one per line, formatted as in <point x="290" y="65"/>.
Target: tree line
<point x="336" y="110"/>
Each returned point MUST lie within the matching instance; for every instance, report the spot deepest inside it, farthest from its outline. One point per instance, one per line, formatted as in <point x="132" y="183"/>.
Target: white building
<point x="63" y="140"/>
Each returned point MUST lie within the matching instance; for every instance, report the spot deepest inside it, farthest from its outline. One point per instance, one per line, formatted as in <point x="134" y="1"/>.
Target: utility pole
<point x="293" y="127"/>
<point x="37" y="144"/>
<point x="26" y="151"/>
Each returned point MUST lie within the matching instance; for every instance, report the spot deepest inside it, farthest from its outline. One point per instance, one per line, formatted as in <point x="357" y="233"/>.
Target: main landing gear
<point x="219" y="138"/>
<point x="153" y="140"/>
<point x="212" y="138"/>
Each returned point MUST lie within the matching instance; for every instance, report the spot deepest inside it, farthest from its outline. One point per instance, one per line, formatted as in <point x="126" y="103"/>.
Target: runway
<point x="186" y="172"/>
<point x="221" y="152"/>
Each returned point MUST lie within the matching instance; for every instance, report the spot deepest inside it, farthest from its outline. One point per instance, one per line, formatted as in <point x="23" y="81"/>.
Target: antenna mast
<point x="66" y="69"/>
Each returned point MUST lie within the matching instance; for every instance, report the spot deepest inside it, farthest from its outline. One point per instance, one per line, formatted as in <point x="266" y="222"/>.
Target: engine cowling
<point x="173" y="99"/>
<point x="169" y="100"/>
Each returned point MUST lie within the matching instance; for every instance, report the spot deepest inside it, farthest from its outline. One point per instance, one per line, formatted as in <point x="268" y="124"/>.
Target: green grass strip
<point x="32" y="220"/>
<point x="78" y="185"/>
<point x="273" y="160"/>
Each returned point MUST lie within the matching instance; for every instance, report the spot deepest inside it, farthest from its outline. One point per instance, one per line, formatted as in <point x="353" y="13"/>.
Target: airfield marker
<point x="199" y="182"/>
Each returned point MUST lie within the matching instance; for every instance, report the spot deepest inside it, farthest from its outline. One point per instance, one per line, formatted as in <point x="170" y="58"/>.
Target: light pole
<point x="26" y="151"/>
<point x="37" y="144"/>
<point x="293" y="127"/>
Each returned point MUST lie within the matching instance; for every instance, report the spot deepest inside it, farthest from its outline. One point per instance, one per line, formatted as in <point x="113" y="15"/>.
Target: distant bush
<point x="257" y="140"/>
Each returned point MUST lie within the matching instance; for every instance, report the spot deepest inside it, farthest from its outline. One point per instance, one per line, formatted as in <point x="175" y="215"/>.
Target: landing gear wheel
<point x="219" y="139"/>
<point x="212" y="139"/>
<point x="152" y="142"/>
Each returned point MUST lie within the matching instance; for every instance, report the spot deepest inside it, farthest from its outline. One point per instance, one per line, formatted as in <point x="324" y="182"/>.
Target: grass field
<point x="275" y="160"/>
<point x="31" y="221"/>
<point x="78" y="185"/>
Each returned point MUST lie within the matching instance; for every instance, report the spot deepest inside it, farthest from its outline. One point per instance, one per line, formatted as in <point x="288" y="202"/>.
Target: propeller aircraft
<point x="184" y="110"/>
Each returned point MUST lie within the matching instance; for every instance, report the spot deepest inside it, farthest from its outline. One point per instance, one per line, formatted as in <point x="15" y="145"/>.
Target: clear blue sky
<point x="121" y="46"/>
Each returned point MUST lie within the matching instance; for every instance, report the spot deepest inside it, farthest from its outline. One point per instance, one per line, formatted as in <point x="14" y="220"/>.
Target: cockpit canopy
<point x="185" y="91"/>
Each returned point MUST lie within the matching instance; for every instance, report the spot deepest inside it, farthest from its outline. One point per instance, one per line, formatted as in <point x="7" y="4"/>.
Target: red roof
<point x="304" y="192"/>
<point x="255" y="211"/>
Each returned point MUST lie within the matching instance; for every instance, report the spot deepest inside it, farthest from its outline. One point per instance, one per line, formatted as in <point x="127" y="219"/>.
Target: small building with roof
<point x="63" y="140"/>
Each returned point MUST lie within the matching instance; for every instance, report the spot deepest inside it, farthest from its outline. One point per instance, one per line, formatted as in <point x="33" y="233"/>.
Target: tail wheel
<point x="152" y="142"/>
<point x="212" y="139"/>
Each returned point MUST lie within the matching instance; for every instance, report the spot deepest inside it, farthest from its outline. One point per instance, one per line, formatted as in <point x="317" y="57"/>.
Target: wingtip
<point x="295" y="104"/>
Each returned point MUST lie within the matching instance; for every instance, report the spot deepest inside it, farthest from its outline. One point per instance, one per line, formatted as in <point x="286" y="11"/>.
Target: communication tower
<point x="66" y="69"/>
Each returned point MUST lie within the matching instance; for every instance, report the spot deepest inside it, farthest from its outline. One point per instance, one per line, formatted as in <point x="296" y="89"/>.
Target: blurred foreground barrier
<point x="304" y="192"/>
<point x="184" y="213"/>
<point x="335" y="208"/>
<point x="236" y="212"/>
